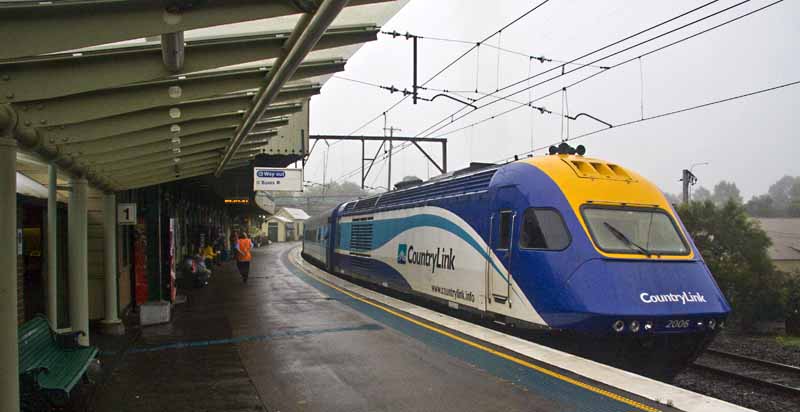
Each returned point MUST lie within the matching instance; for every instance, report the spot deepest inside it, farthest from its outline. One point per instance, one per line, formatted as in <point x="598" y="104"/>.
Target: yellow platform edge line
<point x="476" y="345"/>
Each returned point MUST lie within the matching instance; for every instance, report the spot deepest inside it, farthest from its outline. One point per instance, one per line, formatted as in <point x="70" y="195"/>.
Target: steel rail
<point x="790" y="390"/>
<point x="775" y="365"/>
<point x="758" y="382"/>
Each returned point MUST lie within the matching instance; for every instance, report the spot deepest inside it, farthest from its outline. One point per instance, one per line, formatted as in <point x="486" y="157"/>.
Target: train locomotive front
<point x="584" y="250"/>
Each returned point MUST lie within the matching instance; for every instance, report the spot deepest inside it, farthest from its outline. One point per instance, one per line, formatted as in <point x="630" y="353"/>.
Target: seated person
<point x="208" y="254"/>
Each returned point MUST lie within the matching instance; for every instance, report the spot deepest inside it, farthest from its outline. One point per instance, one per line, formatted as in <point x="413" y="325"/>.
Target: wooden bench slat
<point x="39" y="348"/>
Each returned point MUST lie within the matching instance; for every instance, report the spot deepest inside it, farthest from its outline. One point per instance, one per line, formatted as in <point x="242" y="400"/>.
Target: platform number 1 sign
<point x="126" y="213"/>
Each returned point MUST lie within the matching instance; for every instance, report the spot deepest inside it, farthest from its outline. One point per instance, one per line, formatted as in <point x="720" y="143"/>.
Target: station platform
<point x="296" y="339"/>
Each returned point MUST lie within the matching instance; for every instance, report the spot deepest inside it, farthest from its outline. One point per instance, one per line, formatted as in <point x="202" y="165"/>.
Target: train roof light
<point x="565" y="149"/>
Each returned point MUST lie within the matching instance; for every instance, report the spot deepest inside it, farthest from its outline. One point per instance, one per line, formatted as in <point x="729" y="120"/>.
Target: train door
<point x="501" y="223"/>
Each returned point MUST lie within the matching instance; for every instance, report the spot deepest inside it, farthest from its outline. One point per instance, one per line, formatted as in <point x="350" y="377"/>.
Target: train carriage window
<point x="543" y="229"/>
<point x="504" y="232"/>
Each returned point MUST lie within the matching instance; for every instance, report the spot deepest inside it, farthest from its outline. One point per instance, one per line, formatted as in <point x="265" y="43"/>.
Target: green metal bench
<point x="50" y="364"/>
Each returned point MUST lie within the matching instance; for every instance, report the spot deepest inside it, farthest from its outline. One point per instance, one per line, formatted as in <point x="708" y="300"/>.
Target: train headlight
<point x="648" y="325"/>
<point x="635" y="326"/>
<point x="618" y="326"/>
<point x="712" y="324"/>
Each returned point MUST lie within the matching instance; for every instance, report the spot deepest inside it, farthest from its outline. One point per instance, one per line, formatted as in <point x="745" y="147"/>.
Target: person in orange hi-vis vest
<point x="243" y="255"/>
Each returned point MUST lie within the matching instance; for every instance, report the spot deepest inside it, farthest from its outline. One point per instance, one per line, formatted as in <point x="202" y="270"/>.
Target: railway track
<point x="759" y="372"/>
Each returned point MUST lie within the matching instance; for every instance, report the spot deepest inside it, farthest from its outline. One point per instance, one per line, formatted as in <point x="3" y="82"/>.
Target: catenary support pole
<point x="111" y="322"/>
<point x="444" y="156"/>
<point x="362" y="163"/>
<point x="416" y="87"/>
<point x="9" y="354"/>
<point x="52" y="246"/>
<point x="389" y="172"/>
<point x="78" y="260"/>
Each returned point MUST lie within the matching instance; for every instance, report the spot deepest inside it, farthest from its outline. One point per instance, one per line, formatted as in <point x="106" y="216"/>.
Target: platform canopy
<point x="136" y="93"/>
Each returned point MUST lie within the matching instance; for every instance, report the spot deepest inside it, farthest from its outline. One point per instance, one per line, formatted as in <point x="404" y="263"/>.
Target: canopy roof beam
<point x="180" y="169"/>
<point x="216" y="146"/>
<point x="211" y="158"/>
<point x="152" y="135"/>
<point x="160" y="116"/>
<point x="174" y="145"/>
<point x="51" y="26"/>
<point x="33" y="78"/>
<point x="163" y="136"/>
<point x="174" y="90"/>
<point x="178" y="176"/>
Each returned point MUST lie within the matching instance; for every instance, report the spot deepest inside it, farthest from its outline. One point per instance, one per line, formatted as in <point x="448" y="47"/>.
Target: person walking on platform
<point x="243" y="256"/>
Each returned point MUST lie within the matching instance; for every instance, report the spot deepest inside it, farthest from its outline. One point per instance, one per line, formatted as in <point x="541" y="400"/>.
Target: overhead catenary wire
<point x="681" y="40"/>
<point x="451" y="116"/>
<point x="661" y="48"/>
<point x="665" y="114"/>
<point x="453" y="62"/>
<point x="540" y="58"/>
<point x="405" y="95"/>
<point x="427" y="132"/>
<point x="449" y="65"/>
<point x="365" y="83"/>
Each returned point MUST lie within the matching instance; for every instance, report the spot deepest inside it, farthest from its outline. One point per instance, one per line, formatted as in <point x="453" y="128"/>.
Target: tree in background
<point x="762" y="206"/>
<point x="781" y="191"/>
<point x="781" y="200"/>
<point x="793" y="210"/>
<point x="701" y="194"/>
<point x="735" y="250"/>
<point x="725" y="192"/>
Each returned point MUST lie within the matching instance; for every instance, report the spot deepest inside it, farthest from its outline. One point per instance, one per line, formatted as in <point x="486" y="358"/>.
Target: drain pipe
<point x="304" y="38"/>
<point x="173" y="51"/>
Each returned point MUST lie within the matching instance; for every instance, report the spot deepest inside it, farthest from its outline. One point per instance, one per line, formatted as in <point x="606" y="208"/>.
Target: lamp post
<point x="689" y="179"/>
<point x="697" y="164"/>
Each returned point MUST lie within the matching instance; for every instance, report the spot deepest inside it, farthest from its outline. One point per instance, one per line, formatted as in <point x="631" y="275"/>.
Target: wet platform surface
<point x="288" y="342"/>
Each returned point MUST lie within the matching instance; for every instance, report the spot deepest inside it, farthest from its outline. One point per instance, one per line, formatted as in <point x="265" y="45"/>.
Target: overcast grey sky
<point x="751" y="141"/>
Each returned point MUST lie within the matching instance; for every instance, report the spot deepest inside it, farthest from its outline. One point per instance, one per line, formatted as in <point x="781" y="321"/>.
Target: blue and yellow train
<point x="563" y="243"/>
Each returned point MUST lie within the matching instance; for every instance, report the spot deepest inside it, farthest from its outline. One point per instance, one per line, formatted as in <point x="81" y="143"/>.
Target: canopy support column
<point x="78" y="260"/>
<point x="9" y="354"/>
<point x="111" y="324"/>
<point x="52" y="246"/>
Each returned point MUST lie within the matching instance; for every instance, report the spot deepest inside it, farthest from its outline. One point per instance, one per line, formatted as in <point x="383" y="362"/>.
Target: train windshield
<point x="634" y="231"/>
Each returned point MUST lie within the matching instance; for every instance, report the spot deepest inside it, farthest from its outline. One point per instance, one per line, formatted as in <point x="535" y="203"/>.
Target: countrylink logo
<point x="401" y="253"/>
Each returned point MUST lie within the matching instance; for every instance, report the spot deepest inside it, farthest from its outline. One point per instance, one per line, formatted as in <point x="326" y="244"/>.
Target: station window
<point x="504" y="232"/>
<point x="543" y="229"/>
